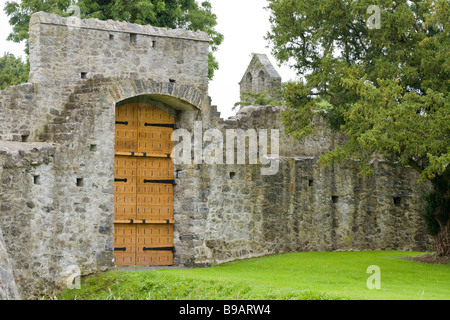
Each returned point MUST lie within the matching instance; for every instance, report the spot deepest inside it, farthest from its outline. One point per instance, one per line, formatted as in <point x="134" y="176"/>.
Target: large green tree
<point x="187" y="14"/>
<point x="387" y="85"/>
<point x="13" y="71"/>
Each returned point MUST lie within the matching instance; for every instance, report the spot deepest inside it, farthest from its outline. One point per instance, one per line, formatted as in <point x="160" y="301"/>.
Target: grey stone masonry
<point x="8" y="287"/>
<point x="69" y="49"/>
<point x="57" y="137"/>
<point x="260" y="76"/>
<point x="240" y="213"/>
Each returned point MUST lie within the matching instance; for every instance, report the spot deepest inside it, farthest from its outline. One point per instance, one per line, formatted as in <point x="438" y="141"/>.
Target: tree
<point x="187" y="14"/>
<point x="20" y="12"/>
<point x="13" y="71"/>
<point x="388" y="86"/>
<point x="272" y="97"/>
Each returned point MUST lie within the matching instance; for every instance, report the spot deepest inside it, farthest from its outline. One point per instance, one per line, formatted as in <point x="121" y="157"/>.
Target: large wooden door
<point x="143" y="186"/>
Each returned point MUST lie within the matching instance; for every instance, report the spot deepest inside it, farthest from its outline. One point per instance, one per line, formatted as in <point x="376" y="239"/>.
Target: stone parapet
<point x="117" y="26"/>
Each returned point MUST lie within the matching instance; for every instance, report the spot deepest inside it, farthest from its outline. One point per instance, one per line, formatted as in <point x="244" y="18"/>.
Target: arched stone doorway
<point x="143" y="185"/>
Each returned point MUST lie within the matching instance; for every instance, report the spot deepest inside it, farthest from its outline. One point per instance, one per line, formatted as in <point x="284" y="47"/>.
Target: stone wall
<point x="238" y="213"/>
<point x="18" y="103"/>
<point x="8" y="287"/>
<point x="28" y="212"/>
<point x="57" y="164"/>
<point x="57" y="137"/>
<point x="68" y="49"/>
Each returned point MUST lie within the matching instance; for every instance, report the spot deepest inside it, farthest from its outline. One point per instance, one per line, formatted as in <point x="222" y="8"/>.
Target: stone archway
<point x="180" y="104"/>
<point x="179" y="96"/>
<point x="85" y="131"/>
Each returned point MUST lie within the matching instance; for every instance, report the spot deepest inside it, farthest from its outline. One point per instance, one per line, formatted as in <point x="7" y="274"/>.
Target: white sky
<point x="244" y="23"/>
<point x="5" y="29"/>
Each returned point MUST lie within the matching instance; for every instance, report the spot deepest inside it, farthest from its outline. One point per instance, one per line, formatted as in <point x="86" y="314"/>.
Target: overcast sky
<point x="5" y="29"/>
<point x="244" y="23"/>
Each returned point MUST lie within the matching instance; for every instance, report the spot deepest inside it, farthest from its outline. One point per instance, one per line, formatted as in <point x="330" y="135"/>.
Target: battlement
<point x="117" y="26"/>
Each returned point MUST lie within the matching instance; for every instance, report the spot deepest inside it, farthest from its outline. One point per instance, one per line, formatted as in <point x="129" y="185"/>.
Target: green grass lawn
<point x="302" y="275"/>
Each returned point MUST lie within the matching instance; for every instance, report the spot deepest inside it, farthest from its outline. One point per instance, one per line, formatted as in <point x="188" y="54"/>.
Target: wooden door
<point x="143" y="186"/>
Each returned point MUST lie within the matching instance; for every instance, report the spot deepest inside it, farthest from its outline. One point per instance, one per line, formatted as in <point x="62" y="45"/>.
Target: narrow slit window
<point x="80" y="182"/>
<point x="334" y="199"/>
<point x="37" y="179"/>
<point x="93" y="147"/>
<point x="310" y="182"/>
<point x="111" y="37"/>
<point x="84" y="75"/>
<point x="397" y="201"/>
<point x="133" y="37"/>
<point x="24" y="137"/>
<point x="232" y="175"/>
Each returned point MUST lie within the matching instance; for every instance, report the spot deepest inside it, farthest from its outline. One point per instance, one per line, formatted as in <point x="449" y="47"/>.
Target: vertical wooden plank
<point x="126" y="128"/>
<point x="155" y="202"/>
<point x="125" y="244"/>
<point x="125" y="189"/>
<point x="154" y="169"/>
<point x="152" y="139"/>
<point x="151" y="236"/>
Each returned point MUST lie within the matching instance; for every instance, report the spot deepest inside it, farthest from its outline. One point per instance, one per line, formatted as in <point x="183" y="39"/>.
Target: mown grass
<point x="302" y="276"/>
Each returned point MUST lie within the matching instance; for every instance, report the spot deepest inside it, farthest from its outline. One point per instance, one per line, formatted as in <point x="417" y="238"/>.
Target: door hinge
<point x="122" y="122"/>
<point x="160" y="181"/>
<point x="120" y="249"/>
<point x="159" y="249"/>
<point x="165" y="125"/>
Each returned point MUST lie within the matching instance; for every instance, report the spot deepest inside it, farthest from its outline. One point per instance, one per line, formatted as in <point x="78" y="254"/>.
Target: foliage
<point x="20" y="12"/>
<point x="272" y="97"/>
<point x="186" y="14"/>
<point x="432" y="201"/>
<point x="299" y="276"/>
<point x="388" y="87"/>
<point x="13" y="71"/>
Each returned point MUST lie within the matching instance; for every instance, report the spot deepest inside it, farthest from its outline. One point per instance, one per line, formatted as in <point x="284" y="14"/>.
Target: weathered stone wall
<point x="304" y="207"/>
<point x="57" y="137"/>
<point x="50" y="224"/>
<point x="61" y="49"/>
<point x="57" y="164"/>
<point x="18" y="103"/>
<point x="8" y="287"/>
<point x="28" y="216"/>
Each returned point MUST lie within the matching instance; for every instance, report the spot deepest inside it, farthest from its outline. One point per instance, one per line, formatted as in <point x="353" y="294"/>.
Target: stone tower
<point x="260" y="76"/>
